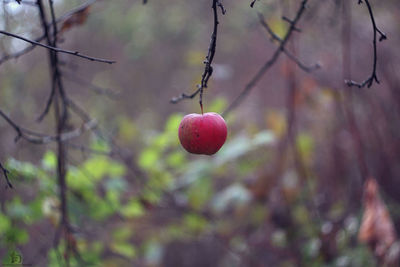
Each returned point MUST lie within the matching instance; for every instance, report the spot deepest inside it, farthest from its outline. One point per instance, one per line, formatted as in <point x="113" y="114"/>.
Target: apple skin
<point x="202" y="134"/>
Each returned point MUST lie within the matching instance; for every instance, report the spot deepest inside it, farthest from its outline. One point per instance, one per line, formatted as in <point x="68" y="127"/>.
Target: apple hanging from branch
<point x="202" y="133"/>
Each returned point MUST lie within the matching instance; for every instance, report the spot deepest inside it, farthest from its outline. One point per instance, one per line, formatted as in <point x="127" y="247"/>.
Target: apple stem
<point x="201" y="106"/>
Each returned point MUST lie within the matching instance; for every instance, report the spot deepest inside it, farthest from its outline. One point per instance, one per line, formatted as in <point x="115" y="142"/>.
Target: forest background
<point x="309" y="172"/>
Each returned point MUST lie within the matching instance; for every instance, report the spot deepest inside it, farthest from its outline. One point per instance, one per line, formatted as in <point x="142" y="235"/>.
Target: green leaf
<point x="113" y="199"/>
<point x="98" y="208"/>
<point x="16" y="236"/>
<point x="116" y="169"/>
<point x="176" y="159"/>
<point x="148" y="158"/>
<point x="99" y="144"/>
<point x="25" y="169"/>
<point x="97" y="167"/>
<point x="195" y="222"/>
<point x="173" y="122"/>
<point x="5" y="223"/>
<point x="218" y="105"/>
<point x="49" y="160"/>
<point x="78" y="179"/>
<point x="200" y="192"/>
<point x="124" y="249"/>
<point x="127" y="129"/>
<point x="305" y="144"/>
<point x="122" y="234"/>
<point x="18" y="210"/>
<point x="133" y="209"/>
<point x="161" y="142"/>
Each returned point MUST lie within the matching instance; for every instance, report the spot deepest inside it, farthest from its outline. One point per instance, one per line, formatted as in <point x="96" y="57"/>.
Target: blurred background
<point x="287" y="188"/>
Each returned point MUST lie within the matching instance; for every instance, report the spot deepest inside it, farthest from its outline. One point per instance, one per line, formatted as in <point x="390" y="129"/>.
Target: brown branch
<point x="97" y="89"/>
<point x="20" y="53"/>
<point x="373" y="77"/>
<point x="208" y="69"/>
<point x="347" y="103"/>
<point x="58" y="50"/>
<point x="41" y="38"/>
<point x="285" y="51"/>
<point x="61" y="116"/>
<point x="250" y="85"/>
<point x="39" y="138"/>
<point x="5" y="173"/>
<point x="53" y="58"/>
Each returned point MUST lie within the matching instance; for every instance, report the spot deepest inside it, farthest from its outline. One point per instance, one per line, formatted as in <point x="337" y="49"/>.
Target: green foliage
<point x="101" y="193"/>
<point x="132" y="209"/>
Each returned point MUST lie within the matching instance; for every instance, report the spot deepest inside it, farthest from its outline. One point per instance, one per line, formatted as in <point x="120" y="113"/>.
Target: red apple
<point x="202" y="134"/>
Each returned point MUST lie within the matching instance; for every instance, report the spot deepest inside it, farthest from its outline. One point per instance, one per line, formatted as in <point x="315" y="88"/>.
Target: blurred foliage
<point x="99" y="195"/>
<point x="262" y="200"/>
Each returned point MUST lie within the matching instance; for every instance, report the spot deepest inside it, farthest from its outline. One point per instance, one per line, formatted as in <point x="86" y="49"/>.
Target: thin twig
<point x="124" y="154"/>
<point x="58" y="50"/>
<point x="41" y="38"/>
<point x="208" y="69"/>
<point x="39" y="138"/>
<point x="97" y="89"/>
<point x="269" y="63"/>
<point x="21" y="52"/>
<point x="285" y="51"/>
<point x="5" y="173"/>
<point x="373" y="77"/>
<point x="53" y="57"/>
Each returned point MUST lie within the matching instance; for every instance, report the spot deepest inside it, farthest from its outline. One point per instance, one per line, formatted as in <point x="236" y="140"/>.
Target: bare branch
<point x="97" y="89"/>
<point x="58" y="50"/>
<point x="5" y="173"/>
<point x="250" y="85"/>
<point x="22" y="52"/>
<point x="39" y="138"/>
<point x="41" y="38"/>
<point x="373" y="77"/>
<point x="208" y="70"/>
<point x="287" y="53"/>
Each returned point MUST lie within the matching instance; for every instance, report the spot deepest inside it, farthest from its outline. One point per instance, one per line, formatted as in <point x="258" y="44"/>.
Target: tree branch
<point x="285" y="51"/>
<point x="208" y="70"/>
<point x="39" y="138"/>
<point x="58" y="50"/>
<point x="41" y="38"/>
<point x="250" y="85"/>
<point x="373" y="77"/>
<point x="5" y="173"/>
<point x="112" y="94"/>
